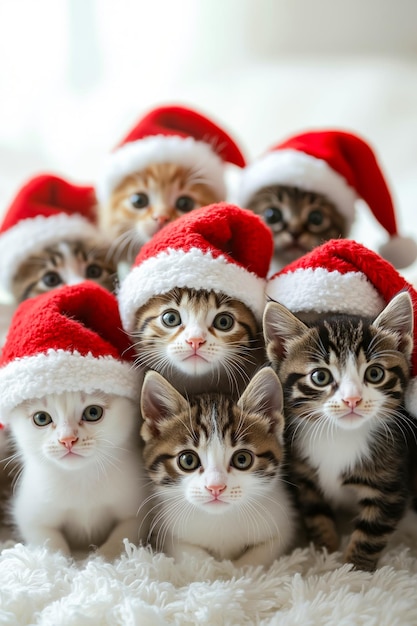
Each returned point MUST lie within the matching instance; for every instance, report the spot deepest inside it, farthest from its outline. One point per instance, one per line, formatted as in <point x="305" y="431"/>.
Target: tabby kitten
<point x="146" y="201"/>
<point x="64" y="263"/>
<point x="81" y="479"/>
<point x="216" y="466"/>
<point x="299" y="220"/>
<point x="199" y="340"/>
<point x="344" y="380"/>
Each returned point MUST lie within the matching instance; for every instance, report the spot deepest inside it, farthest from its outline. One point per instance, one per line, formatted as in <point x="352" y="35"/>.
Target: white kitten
<point x="81" y="482"/>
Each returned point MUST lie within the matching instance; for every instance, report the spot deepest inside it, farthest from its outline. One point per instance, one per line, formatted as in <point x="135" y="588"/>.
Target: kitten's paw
<point x="110" y="551"/>
<point x="326" y="537"/>
<point x="364" y="562"/>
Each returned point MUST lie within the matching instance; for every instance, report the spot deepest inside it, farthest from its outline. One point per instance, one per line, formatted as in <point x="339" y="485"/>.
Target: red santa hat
<point x="46" y="209"/>
<point x="220" y="247"/>
<point x="173" y="134"/>
<point x="343" y="276"/>
<point x="339" y="165"/>
<point x="68" y="339"/>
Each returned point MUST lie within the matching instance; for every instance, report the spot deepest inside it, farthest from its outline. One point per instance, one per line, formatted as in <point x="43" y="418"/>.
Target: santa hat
<point x="46" y="209"/>
<point x="342" y="276"/>
<point x="220" y="247"/>
<point x="68" y="339"/>
<point x="173" y="134"/>
<point x="339" y="165"/>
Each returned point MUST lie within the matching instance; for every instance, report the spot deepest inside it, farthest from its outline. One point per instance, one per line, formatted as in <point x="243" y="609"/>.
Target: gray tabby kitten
<point x="344" y="379"/>
<point x="216" y="467"/>
<point x="300" y="220"/>
<point x="199" y="340"/>
<point x="64" y="263"/>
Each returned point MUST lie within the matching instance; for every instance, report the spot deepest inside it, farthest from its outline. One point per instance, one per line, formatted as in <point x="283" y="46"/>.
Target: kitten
<point x="146" y="201"/>
<point x="299" y="220"/>
<point x="81" y="479"/>
<point x="344" y="380"/>
<point x="199" y="340"/>
<point x="65" y="263"/>
<point x="216" y="466"/>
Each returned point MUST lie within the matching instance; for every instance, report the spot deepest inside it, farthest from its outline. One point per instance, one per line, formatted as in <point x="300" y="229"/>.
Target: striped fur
<point x="199" y="351"/>
<point x="231" y="503"/>
<point x="67" y="262"/>
<point x="299" y="220"/>
<point x="147" y="200"/>
<point x="344" y="379"/>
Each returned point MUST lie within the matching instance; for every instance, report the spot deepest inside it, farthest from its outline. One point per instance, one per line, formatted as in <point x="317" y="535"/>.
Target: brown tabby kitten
<point x="146" y="201"/>
<point x="67" y="262"/>
<point x="216" y="467"/>
<point x="199" y="340"/>
<point x="344" y="380"/>
<point x="299" y="220"/>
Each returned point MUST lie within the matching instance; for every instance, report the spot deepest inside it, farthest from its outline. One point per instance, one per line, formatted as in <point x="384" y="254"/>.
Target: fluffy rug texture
<point x="305" y="587"/>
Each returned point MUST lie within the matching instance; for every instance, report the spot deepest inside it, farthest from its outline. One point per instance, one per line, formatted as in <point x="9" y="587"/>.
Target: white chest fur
<point x="333" y="451"/>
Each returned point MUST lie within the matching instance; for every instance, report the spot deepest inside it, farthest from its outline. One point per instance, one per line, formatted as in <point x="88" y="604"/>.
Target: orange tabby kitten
<point x="149" y="199"/>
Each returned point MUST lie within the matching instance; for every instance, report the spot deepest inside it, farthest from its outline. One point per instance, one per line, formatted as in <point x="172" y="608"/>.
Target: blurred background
<point x="75" y="75"/>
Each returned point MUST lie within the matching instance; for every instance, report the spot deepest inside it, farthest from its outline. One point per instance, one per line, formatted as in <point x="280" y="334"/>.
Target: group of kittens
<point x="153" y="389"/>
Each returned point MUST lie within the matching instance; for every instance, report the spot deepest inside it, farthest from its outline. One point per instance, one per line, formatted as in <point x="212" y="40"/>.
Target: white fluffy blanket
<point x="305" y="587"/>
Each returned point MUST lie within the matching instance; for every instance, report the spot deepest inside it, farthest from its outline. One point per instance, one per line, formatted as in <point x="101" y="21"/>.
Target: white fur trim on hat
<point x="297" y="169"/>
<point x="191" y="269"/>
<point x="322" y="291"/>
<point x="57" y="371"/>
<point x="186" y="151"/>
<point x="31" y="235"/>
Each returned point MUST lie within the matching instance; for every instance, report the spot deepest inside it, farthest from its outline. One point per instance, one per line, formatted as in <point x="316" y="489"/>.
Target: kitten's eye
<point x="92" y="413"/>
<point x="51" y="279"/>
<point x="374" y="374"/>
<point x="93" y="271"/>
<point x="224" y="321"/>
<point x="321" y="377"/>
<point x="273" y="215"/>
<point x="315" y="218"/>
<point x="189" y="461"/>
<point x="242" y="460"/>
<point x="171" y="318"/>
<point x="41" y="418"/>
<point x="185" y="204"/>
<point x="139" y="200"/>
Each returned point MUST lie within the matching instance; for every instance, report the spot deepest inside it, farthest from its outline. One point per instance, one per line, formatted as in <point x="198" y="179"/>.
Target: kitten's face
<point x="196" y="334"/>
<point x="211" y="452"/>
<point x="299" y="220"/>
<point x="73" y="429"/>
<point x="146" y="201"/>
<point x="65" y="263"/>
<point x="345" y="370"/>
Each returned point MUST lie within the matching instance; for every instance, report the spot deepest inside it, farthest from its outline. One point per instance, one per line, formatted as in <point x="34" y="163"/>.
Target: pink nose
<point x="68" y="441"/>
<point x="196" y="342"/>
<point x="215" y="490"/>
<point x="161" y="219"/>
<point x="352" y="401"/>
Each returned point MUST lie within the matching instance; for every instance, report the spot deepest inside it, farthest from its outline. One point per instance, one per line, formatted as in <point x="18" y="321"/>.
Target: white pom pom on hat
<point x="340" y="165"/>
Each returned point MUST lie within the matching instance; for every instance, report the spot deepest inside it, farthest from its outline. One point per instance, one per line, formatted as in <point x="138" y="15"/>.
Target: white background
<point x="75" y="75"/>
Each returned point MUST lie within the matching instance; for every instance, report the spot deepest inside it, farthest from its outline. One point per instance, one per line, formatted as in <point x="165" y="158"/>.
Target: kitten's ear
<point x="264" y="395"/>
<point x="159" y="400"/>
<point x="280" y="325"/>
<point x="398" y="316"/>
